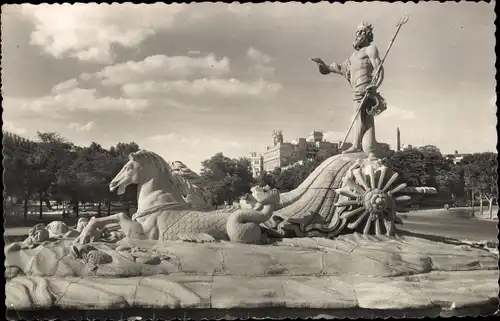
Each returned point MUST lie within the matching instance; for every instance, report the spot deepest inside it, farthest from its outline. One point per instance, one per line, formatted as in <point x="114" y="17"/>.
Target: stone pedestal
<point x="351" y="274"/>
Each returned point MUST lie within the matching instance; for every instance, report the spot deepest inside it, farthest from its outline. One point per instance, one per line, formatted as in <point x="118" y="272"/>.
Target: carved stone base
<point x="351" y="272"/>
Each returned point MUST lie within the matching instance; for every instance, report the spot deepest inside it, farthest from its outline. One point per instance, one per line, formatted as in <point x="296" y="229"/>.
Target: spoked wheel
<point x="367" y="199"/>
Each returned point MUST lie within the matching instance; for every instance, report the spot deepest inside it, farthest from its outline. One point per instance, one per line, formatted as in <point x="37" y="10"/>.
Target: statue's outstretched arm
<point x="327" y="69"/>
<point x="335" y="68"/>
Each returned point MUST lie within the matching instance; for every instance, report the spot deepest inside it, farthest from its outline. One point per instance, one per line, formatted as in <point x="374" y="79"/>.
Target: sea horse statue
<point x="346" y="193"/>
<point x="163" y="213"/>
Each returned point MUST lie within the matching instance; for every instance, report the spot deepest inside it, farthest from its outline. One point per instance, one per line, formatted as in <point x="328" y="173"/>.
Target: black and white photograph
<point x="249" y="160"/>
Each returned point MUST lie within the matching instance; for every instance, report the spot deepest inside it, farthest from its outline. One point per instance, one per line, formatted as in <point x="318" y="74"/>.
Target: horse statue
<point x="163" y="214"/>
<point x="347" y="193"/>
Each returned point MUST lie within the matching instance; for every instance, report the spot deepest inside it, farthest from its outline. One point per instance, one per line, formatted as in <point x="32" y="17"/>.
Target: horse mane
<point x="161" y="165"/>
<point x="192" y="180"/>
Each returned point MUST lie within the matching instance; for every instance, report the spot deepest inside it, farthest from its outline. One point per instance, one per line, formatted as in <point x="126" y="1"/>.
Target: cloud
<point x="191" y="150"/>
<point x="212" y="142"/>
<point x="194" y="52"/>
<point x="82" y="128"/>
<point x="183" y="106"/>
<point x="263" y="70"/>
<point x="239" y="8"/>
<point x="258" y="56"/>
<point x="225" y="144"/>
<point x="222" y="87"/>
<point x="174" y="138"/>
<point x="72" y="100"/>
<point x="64" y="86"/>
<point x="10" y="127"/>
<point x="88" y="32"/>
<point x="333" y="136"/>
<point x="85" y="76"/>
<point x="163" y="67"/>
<point x="192" y="146"/>
<point x="164" y="137"/>
<point x="160" y="75"/>
<point x="394" y="112"/>
<point x="493" y="101"/>
<point x="261" y="62"/>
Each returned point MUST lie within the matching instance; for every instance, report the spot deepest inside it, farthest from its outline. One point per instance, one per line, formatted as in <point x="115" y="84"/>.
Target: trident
<point x="401" y="22"/>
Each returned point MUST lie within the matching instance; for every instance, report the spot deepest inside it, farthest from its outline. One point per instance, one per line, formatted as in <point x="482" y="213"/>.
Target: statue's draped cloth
<point x="373" y="102"/>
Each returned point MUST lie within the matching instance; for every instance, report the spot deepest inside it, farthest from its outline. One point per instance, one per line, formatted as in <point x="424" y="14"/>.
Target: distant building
<point x="457" y="157"/>
<point x="283" y="154"/>
<point x="407" y="147"/>
<point x="257" y="164"/>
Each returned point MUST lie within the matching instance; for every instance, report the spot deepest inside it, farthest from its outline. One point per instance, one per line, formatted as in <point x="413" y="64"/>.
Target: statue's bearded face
<point x="364" y="37"/>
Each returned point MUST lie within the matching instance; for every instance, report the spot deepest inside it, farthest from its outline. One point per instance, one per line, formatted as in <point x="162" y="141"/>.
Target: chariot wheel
<point x="368" y="202"/>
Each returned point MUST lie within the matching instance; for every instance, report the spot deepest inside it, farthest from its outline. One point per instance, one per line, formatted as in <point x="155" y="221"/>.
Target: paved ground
<point x="14" y="231"/>
<point x="454" y="223"/>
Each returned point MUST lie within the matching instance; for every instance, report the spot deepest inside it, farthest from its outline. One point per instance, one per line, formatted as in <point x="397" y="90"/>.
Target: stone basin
<point x="349" y="275"/>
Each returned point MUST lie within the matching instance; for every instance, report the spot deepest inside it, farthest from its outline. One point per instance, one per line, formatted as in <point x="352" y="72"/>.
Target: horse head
<point x="128" y="175"/>
<point x="152" y="174"/>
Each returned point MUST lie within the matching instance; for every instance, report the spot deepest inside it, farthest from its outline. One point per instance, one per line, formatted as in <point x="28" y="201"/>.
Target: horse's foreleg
<point x="132" y="229"/>
<point x="94" y="224"/>
<point x="100" y="222"/>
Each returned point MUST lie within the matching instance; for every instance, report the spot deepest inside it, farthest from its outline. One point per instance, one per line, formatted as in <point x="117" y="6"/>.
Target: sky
<point x="189" y="80"/>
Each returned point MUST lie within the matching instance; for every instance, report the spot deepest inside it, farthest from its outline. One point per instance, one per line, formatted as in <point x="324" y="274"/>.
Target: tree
<point x="97" y="169"/>
<point x="410" y="166"/>
<point x="266" y="179"/>
<point x="385" y="150"/>
<point x="480" y="177"/>
<point x="18" y="168"/>
<point x="425" y="166"/>
<point x="448" y="181"/>
<point x="226" y="179"/>
<point x="53" y="168"/>
<point x="291" y="177"/>
<point x="285" y="180"/>
<point x="72" y="182"/>
<point x="123" y="150"/>
<point x="48" y="160"/>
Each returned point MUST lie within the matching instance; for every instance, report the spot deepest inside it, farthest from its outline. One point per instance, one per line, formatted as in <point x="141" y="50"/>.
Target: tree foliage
<point x="51" y="168"/>
<point x="426" y="166"/>
<point x="226" y="179"/>
<point x="290" y="178"/>
<point x="480" y="176"/>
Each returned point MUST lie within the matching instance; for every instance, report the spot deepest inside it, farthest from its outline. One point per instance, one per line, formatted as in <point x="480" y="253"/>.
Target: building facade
<point x="257" y="163"/>
<point x="283" y="154"/>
